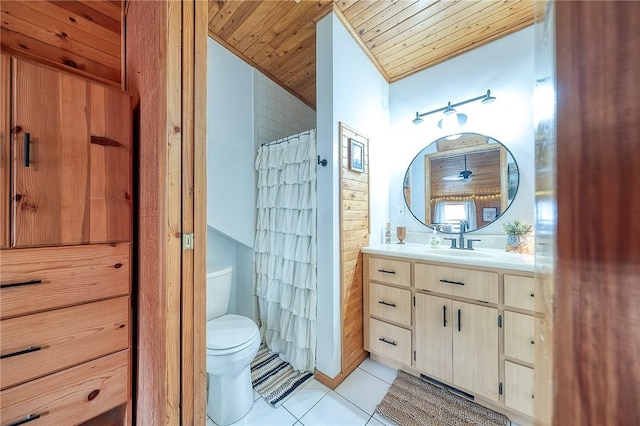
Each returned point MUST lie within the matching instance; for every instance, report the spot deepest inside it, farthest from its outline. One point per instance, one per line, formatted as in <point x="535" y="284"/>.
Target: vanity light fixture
<point x="452" y="119"/>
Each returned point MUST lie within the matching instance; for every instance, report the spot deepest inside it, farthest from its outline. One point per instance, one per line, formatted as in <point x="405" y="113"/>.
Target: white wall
<point x="230" y="141"/>
<point x="504" y="66"/>
<point x="349" y="90"/>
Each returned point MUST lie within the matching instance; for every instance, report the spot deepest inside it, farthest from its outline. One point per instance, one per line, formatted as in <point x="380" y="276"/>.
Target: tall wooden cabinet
<point x="65" y="263"/>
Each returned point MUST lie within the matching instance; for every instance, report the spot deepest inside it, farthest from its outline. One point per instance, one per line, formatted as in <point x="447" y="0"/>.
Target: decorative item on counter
<point x="517" y="233"/>
<point x="401" y="233"/>
<point x="387" y="234"/>
<point x="435" y="239"/>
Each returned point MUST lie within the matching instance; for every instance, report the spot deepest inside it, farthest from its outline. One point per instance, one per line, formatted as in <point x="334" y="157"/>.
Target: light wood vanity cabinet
<point x="471" y="328"/>
<point x="65" y="264"/>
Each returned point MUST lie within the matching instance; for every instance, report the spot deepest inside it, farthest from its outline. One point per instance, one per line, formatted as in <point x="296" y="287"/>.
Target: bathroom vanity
<point x="465" y="318"/>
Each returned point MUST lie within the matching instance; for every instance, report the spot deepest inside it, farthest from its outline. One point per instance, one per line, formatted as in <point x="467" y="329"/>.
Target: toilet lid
<point x="229" y="331"/>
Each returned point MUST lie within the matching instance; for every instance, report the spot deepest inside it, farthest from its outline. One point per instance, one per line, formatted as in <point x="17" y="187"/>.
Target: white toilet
<point x="232" y="343"/>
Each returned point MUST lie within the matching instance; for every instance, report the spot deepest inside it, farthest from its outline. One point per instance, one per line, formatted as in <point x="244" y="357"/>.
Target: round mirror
<point x="472" y="178"/>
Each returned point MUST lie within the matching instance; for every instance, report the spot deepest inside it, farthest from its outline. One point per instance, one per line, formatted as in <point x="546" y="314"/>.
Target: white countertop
<point x="491" y="258"/>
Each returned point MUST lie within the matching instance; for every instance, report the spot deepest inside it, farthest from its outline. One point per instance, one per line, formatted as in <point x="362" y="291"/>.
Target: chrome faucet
<point x="460" y="241"/>
<point x="463" y="227"/>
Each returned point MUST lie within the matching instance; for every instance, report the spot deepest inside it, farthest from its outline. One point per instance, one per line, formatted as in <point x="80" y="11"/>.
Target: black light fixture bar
<point x="486" y="98"/>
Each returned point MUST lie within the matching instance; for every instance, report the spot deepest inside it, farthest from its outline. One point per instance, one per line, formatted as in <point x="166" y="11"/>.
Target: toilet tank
<point x="218" y="290"/>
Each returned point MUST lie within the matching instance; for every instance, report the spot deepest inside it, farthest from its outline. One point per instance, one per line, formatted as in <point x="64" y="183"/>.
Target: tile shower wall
<point x="277" y="114"/>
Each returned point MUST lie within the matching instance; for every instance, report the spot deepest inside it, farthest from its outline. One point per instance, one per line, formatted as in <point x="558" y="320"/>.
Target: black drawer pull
<point x="22" y="352"/>
<point x="388" y="342"/>
<point x="27" y="419"/>
<point x="452" y="282"/>
<point x="21" y="284"/>
<point x="384" y="271"/>
<point x="27" y="143"/>
<point x="382" y="302"/>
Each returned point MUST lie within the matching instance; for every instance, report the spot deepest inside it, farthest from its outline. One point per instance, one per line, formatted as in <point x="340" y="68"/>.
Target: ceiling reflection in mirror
<point x="472" y="178"/>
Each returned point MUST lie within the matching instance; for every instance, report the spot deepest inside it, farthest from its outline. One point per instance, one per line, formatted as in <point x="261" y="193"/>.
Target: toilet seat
<point x="230" y="333"/>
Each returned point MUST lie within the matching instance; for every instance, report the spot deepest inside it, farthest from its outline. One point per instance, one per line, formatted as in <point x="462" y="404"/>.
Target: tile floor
<point x="351" y="404"/>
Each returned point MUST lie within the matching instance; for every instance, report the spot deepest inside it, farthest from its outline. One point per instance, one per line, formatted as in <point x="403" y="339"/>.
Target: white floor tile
<point x="382" y="420"/>
<point x="256" y="395"/>
<point x="334" y="410"/>
<point x="263" y="414"/>
<point x="380" y="371"/>
<point x="210" y="422"/>
<point x="364" y="390"/>
<point x="305" y="398"/>
<point x="373" y="422"/>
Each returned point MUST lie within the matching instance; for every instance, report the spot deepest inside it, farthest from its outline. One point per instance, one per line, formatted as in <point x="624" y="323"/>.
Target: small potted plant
<point x="517" y="235"/>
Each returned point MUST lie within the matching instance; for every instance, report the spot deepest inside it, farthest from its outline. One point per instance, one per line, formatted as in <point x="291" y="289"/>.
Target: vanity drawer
<point x="477" y="285"/>
<point x="39" y="279"/>
<point x="519" y="336"/>
<point x="71" y="396"/>
<point x="519" y="387"/>
<point x="390" y="341"/>
<point x="519" y="292"/>
<point x="66" y="337"/>
<point x="390" y="271"/>
<point x="390" y="303"/>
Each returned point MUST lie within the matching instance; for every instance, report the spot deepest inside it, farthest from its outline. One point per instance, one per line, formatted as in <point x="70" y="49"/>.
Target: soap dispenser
<point x="435" y="239"/>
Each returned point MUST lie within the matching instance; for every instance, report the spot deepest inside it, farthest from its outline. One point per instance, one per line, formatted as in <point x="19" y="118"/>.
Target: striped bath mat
<point x="274" y="379"/>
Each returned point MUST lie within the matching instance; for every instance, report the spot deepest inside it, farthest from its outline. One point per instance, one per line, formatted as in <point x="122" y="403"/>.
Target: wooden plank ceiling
<point x="84" y="37"/>
<point x="400" y="37"/>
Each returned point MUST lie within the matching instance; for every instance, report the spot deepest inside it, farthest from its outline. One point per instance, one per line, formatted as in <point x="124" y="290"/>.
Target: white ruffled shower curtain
<point x="285" y="248"/>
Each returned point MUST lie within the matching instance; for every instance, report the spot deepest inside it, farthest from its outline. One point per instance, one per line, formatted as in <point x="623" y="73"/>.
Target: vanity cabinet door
<point x="519" y="336"/>
<point x="434" y="328"/>
<point x="518" y="387"/>
<point x="475" y="349"/>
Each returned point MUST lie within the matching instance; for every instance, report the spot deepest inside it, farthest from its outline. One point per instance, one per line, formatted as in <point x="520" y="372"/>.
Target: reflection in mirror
<point x="473" y="177"/>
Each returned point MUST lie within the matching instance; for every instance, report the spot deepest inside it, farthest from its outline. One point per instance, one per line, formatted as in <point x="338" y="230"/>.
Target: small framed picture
<point x="356" y="152"/>
<point x="489" y="214"/>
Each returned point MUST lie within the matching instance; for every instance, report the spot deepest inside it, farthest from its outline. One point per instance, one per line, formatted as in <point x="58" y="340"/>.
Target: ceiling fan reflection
<point x="463" y="176"/>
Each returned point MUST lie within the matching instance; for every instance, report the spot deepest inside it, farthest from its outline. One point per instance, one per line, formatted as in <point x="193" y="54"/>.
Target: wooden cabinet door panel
<point x="5" y="147"/>
<point x="390" y="303"/>
<point x="433" y="336"/>
<point x="110" y="172"/>
<point x="50" y="195"/>
<point x="519" y="336"/>
<point x="475" y="349"/>
<point x="518" y="387"/>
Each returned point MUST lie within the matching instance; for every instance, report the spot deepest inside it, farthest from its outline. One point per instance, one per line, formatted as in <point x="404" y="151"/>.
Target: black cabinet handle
<point x="21" y="283"/>
<point x="382" y="302"/>
<point x="388" y="342"/>
<point x="444" y="315"/>
<point x="459" y="320"/>
<point x="27" y="142"/>
<point x="27" y="419"/>
<point x="452" y="282"/>
<point x="22" y="352"/>
<point x="386" y="272"/>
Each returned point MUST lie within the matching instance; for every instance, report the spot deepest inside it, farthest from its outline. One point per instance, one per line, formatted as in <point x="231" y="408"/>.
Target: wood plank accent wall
<point x="354" y="234"/>
<point x="597" y="291"/>
<point x="83" y="37"/>
<point x="5" y="152"/>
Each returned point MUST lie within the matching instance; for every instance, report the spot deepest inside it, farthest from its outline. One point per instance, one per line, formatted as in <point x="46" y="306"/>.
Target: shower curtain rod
<point x="286" y="139"/>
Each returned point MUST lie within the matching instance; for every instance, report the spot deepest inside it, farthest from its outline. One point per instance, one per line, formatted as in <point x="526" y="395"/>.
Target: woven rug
<point x="274" y="379"/>
<point x="412" y="401"/>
